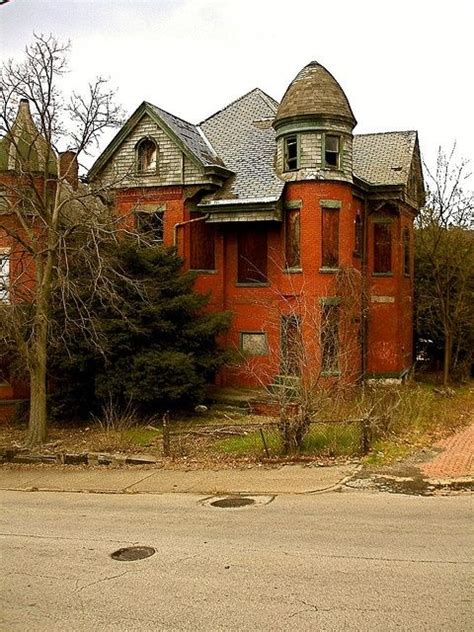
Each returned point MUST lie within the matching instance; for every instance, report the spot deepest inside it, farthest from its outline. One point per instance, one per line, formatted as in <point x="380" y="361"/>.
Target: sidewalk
<point x="287" y="479"/>
<point x="455" y="459"/>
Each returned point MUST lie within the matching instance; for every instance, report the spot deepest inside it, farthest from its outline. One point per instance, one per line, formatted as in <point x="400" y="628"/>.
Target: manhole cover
<point x="227" y="503"/>
<point x="132" y="553"/>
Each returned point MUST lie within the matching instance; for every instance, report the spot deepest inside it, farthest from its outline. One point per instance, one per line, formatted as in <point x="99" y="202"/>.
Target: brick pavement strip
<point x="456" y="458"/>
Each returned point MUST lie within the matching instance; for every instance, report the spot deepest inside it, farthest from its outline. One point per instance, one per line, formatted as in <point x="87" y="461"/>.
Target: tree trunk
<point x="37" y="430"/>
<point x="448" y="348"/>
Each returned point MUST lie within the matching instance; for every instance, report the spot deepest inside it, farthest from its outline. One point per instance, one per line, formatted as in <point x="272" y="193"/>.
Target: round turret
<point x="313" y="126"/>
<point x="314" y="93"/>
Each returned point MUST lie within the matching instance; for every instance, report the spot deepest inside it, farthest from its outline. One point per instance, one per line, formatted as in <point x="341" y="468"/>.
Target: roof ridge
<point x="170" y="114"/>
<point x="207" y="142"/>
<point x="226" y="107"/>
<point x="401" y="131"/>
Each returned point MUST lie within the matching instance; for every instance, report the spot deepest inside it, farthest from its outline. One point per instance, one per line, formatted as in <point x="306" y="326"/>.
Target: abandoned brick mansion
<point x="300" y="228"/>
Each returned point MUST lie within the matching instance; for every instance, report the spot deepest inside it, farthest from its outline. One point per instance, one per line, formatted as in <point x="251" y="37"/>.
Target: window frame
<point x="326" y="164"/>
<point x="331" y="303"/>
<point x="253" y="333"/>
<point x="406" y="252"/>
<point x="251" y="282"/>
<point x="5" y="275"/>
<point x="140" y="214"/>
<point x="292" y="209"/>
<point x="330" y="206"/>
<point x="140" y="143"/>
<point x="388" y="224"/>
<point x="286" y="139"/>
<point x="210" y="228"/>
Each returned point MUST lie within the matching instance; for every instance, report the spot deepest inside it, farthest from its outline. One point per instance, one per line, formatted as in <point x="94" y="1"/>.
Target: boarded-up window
<point x="330" y="237"/>
<point x="252" y="256"/>
<point x="146" y="156"/>
<point x="254" y="343"/>
<point x="406" y="251"/>
<point x="202" y="244"/>
<point x="358" y="235"/>
<point x="291" y="344"/>
<point x="330" y="338"/>
<point x="4" y="276"/>
<point x="292" y="239"/>
<point x="382" y="248"/>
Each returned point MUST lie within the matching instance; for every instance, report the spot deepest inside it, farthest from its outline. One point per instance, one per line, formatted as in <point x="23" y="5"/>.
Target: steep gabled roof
<point x="242" y="135"/>
<point x="24" y="148"/>
<point x="186" y="135"/>
<point x="384" y="158"/>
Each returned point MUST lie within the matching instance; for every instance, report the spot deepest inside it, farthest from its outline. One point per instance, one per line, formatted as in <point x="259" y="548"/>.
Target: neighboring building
<point x="268" y="203"/>
<point x="28" y="177"/>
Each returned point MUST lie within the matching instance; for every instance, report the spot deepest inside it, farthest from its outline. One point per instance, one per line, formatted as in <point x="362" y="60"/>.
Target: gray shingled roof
<point x="384" y="158"/>
<point x="243" y="137"/>
<point x="315" y="92"/>
<point x="190" y="136"/>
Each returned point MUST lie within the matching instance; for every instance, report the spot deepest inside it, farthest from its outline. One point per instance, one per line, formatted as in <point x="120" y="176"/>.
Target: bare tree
<point x="43" y="206"/>
<point x="445" y="260"/>
<point x="318" y="352"/>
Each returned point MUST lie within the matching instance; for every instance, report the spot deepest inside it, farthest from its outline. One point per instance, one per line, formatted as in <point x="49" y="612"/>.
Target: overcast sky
<point x="404" y="64"/>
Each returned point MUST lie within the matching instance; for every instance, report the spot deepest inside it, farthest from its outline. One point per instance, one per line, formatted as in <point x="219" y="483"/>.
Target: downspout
<point x="364" y="293"/>
<point x="189" y="221"/>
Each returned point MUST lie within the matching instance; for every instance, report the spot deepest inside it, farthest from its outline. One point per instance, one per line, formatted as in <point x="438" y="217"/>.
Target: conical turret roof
<point x="314" y="93"/>
<point x="24" y="149"/>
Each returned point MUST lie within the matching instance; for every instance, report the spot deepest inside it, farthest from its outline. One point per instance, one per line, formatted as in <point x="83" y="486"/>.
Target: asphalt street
<point x="337" y="561"/>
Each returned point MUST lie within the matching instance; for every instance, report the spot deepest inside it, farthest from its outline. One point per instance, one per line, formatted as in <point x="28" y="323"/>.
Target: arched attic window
<point x="146" y="154"/>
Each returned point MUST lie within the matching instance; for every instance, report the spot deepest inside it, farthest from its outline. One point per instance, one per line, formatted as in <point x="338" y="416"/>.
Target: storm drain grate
<point x="132" y="553"/>
<point x="232" y="501"/>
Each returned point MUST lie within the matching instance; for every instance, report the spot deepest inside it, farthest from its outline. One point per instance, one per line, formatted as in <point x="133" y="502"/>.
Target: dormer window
<point x="291" y="153"/>
<point x="332" y="151"/>
<point x="146" y="156"/>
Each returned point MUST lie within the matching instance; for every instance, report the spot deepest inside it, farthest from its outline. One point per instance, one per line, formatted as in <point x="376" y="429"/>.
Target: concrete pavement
<point x="285" y="479"/>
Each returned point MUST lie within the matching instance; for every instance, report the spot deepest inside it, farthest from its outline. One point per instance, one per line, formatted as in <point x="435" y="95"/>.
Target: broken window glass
<point x="146" y="156"/>
<point x="331" y="151"/>
<point x="291" y="153"/>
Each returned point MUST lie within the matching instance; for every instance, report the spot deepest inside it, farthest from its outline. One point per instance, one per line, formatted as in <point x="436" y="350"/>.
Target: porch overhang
<point x="249" y="210"/>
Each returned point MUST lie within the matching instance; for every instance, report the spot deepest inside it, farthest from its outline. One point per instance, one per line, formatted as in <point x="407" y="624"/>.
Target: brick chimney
<point x="69" y="167"/>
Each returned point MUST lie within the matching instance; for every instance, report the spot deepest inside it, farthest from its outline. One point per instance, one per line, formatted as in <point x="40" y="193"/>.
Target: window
<point x="406" y="252"/>
<point x="330" y="313"/>
<point x="291" y="345"/>
<point x="358" y="235"/>
<point x="291" y="153"/>
<point x="146" y="156"/>
<point x="331" y="151"/>
<point x="292" y="238"/>
<point x="252" y="256"/>
<point x="202" y="256"/>
<point x="4" y="276"/>
<point x="330" y="237"/>
<point x="150" y="225"/>
<point x="254" y="343"/>
<point x="382" y="248"/>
